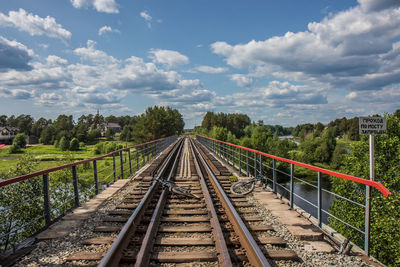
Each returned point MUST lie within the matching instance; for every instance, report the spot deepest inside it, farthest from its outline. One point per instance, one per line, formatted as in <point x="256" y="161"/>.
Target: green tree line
<point x="66" y="133"/>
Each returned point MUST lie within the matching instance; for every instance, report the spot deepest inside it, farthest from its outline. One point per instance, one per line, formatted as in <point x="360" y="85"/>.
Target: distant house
<point x="7" y="134"/>
<point x="115" y="126"/>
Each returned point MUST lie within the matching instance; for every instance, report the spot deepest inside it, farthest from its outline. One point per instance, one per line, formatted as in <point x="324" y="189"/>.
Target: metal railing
<point x="31" y="202"/>
<point x="253" y="163"/>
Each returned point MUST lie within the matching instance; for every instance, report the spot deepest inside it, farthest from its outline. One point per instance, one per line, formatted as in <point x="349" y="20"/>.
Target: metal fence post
<point x="367" y="219"/>
<point x="46" y="198"/>
<point x="96" y="182"/>
<point x="240" y="161"/>
<point x="143" y="155"/>
<point x="130" y="162"/>
<point x="114" y="168"/>
<point x="247" y="163"/>
<point x="319" y="200"/>
<point x="233" y="156"/>
<point x="260" y="172"/>
<point x="137" y="159"/>
<point x="274" y="175"/>
<point x="75" y="182"/>
<point x="148" y="152"/>
<point x="122" y="164"/>
<point x="255" y="164"/>
<point x="291" y="185"/>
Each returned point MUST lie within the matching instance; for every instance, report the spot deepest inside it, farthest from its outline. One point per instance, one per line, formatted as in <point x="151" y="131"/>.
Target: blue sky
<point x="284" y="62"/>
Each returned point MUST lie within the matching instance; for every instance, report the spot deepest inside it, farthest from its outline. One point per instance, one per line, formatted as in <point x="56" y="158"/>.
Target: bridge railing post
<point x="260" y="165"/>
<point x="274" y="175"/>
<point x="367" y="219"/>
<point x="247" y="163"/>
<point x="46" y="199"/>
<point x="121" y="159"/>
<point x="75" y="183"/>
<point x="291" y="185"/>
<point x="319" y="200"/>
<point x="130" y="162"/>
<point x="96" y="182"/>
<point x="114" y="168"/>
<point x="233" y="156"/>
<point x="143" y="155"/>
<point x="255" y="164"/>
<point x="240" y="161"/>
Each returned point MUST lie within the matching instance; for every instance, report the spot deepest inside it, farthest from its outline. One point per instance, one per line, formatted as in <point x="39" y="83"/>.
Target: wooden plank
<point x="99" y="240"/>
<point x="86" y="256"/>
<point x="186" y="219"/>
<point x="261" y="227"/>
<point x="107" y="228"/>
<point x="184" y="229"/>
<point x="185" y="206"/>
<point x="281" y="254"/>
<point x="186" y="212"/>
<point x="166" y="241"/>
<point x="184" y="257"/>
<point x="115" y="219"/>
<point x="272" y="240"/>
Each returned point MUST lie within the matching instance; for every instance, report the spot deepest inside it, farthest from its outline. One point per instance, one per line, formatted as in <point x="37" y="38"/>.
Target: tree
<point x="110" y="134"/>
<point x="64" y="144"/>
<point x="126" y="134"/>
<point x="3" y="120"/>
<point x="47" y="135"/>
<point x="74" y="144"/>
<point x="18" y="143"/>
<point x="385" y="214"/>
<point x="157" y="122"/>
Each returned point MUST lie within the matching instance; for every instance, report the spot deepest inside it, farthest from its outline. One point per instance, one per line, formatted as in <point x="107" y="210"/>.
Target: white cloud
<point x="107" y="6"/>
<point x="209" y="69"/>
<point x="242" y="80"/>
<point x="145" y="14"/>
<point x="91" y="54"/>
<point x="34" y="25"/>
<point x="105" y="29"/>
<point x="340" y="51"/>
<point x="14" y="55"/>
<point x="55" y="60"/>
<point x="169" y="58"/>
<point x="373" y="5"/>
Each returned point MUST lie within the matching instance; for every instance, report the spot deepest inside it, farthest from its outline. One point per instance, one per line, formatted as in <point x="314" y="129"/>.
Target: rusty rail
<point x="253" y="251"/>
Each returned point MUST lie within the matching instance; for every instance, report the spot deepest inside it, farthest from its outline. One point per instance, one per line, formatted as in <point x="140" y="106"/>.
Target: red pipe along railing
<point x="371" y="183"/>
<point x="222" y="148"/>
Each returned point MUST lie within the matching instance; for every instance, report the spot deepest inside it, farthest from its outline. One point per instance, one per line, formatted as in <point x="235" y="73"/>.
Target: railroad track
<point x="157" y="225"/>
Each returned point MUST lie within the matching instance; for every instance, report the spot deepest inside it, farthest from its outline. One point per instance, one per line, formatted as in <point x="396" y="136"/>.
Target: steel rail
<point x="253" y="252"/>
<point x="114" y="254"/>
<point x="143" y="256"/>
<point x="223" y="257"/>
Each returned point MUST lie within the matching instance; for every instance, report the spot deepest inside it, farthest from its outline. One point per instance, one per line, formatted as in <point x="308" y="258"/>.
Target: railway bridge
<point x="177" y="202"/>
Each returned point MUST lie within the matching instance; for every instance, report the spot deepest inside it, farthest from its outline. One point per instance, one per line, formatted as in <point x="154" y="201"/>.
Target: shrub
<point x="20" y="140"/>
<point x="64" y="144"/>
<point x="74" y="144"/>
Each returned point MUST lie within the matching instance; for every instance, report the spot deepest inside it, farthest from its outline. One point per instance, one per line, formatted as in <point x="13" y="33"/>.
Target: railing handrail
<point x="34" y="174"/>
<point x="374" y="184"/>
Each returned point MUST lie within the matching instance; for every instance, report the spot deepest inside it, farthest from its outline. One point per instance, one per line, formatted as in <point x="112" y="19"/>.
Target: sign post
<point x="370" y="126"/>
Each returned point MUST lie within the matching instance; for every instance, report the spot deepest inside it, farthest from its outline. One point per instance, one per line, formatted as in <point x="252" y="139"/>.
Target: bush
<point x="64" y="144"/>
<point x="99" y="148"/>
<point x="74" y="144"/>
<point x="18" y="143"/>
<point x="56" y="144"/>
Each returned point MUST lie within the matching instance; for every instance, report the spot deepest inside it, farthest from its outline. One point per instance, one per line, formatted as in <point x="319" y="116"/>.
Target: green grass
<point x="47" y="156"/>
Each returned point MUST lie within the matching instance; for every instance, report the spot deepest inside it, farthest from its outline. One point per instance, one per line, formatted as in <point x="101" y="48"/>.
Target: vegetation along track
<point x="158" y="226"/>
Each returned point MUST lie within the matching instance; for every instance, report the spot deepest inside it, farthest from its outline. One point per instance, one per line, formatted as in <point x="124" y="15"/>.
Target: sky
<point x="285" y="62"/>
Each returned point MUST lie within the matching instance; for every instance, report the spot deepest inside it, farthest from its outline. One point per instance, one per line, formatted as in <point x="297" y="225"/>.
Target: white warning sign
<point x="372" y="125"/>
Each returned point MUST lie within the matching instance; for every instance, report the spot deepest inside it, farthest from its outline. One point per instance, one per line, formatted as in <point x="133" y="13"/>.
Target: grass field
<point x="47" y="156"/>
